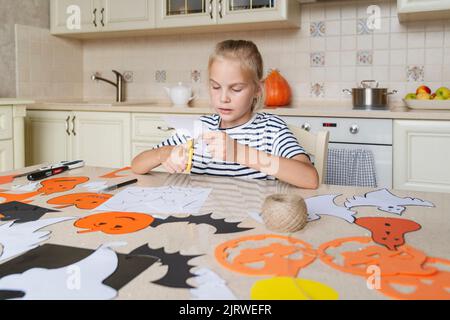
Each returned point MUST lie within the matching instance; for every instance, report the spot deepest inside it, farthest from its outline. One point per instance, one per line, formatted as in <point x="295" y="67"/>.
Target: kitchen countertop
<point x="13" y="101"/>
<point x="306" y="109"/>
<point x="200" y="239"/>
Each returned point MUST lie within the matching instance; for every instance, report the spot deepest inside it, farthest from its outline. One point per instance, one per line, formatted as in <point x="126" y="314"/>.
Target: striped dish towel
<point x="351" y="168"/>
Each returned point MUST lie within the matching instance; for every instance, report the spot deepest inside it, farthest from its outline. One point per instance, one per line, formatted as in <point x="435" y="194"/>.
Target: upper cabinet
<point x="415" y="10"/>
<point x="164" y="16"/>
<point x="90" y="16"/>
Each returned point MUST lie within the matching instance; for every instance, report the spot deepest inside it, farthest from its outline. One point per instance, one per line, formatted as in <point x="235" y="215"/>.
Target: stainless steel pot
<point x="367" y="97"/>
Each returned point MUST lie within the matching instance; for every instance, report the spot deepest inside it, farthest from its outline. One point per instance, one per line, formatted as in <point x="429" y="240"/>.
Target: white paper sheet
<point x="82" y="280"/>
<point x="163" y="201"/>
<point x="95" y="186"/>
<point x="28" y="187"/>
<point x="211" y="286"/>
<point x="385" y="201"/>
<point x="17" y="238"/>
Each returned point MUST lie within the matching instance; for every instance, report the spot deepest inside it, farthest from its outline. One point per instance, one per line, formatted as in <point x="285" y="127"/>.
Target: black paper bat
<point x="221" y="225"/>
<point x="51" y="256"/>
<point x="22" y="212"/>
<point x="179" y="269"/>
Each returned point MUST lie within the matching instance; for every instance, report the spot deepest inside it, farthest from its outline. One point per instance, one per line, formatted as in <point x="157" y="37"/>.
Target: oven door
<point x="382" y="156"/>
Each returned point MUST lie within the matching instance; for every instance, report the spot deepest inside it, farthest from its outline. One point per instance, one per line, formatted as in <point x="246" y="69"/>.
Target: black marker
<point x="120" y="185"/>
<point x="45" y="173"/>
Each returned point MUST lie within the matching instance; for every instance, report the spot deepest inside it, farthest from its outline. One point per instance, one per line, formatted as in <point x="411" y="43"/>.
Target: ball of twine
<point x="284" y="212"/>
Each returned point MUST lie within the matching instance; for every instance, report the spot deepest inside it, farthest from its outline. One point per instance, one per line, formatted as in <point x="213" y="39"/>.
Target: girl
<point x="239" y="141"/>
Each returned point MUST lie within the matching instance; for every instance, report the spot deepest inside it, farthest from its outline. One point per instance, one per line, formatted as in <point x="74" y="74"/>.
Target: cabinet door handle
<point x="220" y="9"/>
<point x="95" y="17"/>
<point x="210" y="9"/>
<point x="73" y="126"/>
<point x="103" y="17"/>
<point x="67" y="125"/>
<point x="166" y="129"/>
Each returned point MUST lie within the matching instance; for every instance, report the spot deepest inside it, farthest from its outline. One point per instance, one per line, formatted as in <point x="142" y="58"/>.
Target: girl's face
<point x="232" y="92"/>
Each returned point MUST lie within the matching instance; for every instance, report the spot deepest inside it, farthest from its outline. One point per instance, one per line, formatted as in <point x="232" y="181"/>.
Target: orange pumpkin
<point x="87" y="200"/>
<point x="114" y="222"/>
<point x="275" y="257"/>
<point x="64" y="184"/>
<point x="278" y="92"/>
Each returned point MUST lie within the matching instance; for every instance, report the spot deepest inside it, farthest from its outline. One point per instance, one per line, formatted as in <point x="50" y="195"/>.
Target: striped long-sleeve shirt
<point x="265" y="132"/>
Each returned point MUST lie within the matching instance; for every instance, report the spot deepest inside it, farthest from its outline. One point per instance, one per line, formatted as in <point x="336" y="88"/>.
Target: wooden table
<point x="233" y="199"/>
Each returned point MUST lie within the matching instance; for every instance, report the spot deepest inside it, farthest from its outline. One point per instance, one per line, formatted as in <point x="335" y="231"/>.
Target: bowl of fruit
<point x="425" y="99"/>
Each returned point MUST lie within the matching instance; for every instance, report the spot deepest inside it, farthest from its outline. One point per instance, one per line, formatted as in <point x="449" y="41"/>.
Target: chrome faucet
<point x="120" y="97"/>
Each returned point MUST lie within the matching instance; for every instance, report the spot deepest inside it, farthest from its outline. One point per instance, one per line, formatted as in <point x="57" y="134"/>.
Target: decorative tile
<point x="364" y="57"/>
<point x="195" y="76"/>
<point x="317" y="90"/>
<point x="317" y="59"/>
<point x="160" y="76"/>
<point x="317" y="29"/>
<point x="362" y="27"/>
<point x="415" y="73"/>
<point x="128" y="76"/>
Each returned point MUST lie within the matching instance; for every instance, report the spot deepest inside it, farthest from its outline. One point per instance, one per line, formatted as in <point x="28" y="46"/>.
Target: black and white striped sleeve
<point x="286" y="144"/>
<point x="175" y="140"/>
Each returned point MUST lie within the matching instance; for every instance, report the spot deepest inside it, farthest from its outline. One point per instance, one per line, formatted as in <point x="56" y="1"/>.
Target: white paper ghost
<point x="211" y="286"/>
<point x="81" y="280"/>
<point x="385" y="201"/>
<point x="17" y="238"/>
<point x="325" y="205"/>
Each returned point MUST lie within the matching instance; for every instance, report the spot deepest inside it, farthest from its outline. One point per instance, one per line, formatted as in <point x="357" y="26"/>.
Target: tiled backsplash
<point x="334" y="49"/>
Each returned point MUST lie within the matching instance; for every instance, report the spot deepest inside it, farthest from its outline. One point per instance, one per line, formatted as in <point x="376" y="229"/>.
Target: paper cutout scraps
<point x="17" y="238"/>
<point x="50" y="272"/>
<point x="179" y="270"/>
<point x="164" y="201"/>
<point x="114" y="174"/>
<point x="385" y="201"/>
<point x="95" y="186"/>
<point x="129" y="222"/>
<point x="211" y="286"/>
<point x="272" y="257"/>
<point x="49" y="187"/>
<point x="388" y="232"/>
<point x="7" y="179"/>
<point x="22" y="212"/>
<point x="114" y="222"/>
<point x="85" y="201"/>
<point x="407" y="267"/>
<point x="325" y="205"/>
<point x="27" y="187"/>
<point x="285" y="288"/>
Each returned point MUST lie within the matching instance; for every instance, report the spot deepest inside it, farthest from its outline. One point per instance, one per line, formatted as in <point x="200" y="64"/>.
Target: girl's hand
<point x="175" y="158"/>
<point x="220" y="146"/>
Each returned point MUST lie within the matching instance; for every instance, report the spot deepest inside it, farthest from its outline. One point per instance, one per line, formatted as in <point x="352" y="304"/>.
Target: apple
<point x="439" y="98"/>
<point x="410" y="96"/>
<point x="423" y="96"/>
<point x="423" y="89"/>
<point x="443" y="92"/>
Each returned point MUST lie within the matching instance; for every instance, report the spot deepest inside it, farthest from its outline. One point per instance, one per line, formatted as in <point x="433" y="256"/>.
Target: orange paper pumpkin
<point x="114" y="174"/>
<point x="19" y="197"/>
<point x="278" y="92"/>
<point x="273" y="259"/>
<point x="86" y="201"/>
<point x="63" y="184"/>
<point x="114" y="222"/>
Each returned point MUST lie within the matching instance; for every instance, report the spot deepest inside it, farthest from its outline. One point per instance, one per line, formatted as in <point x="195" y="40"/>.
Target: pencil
<point x="190" y="155"/>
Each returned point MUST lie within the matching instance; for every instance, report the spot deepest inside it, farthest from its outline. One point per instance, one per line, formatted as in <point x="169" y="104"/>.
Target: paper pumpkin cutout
<point x="326" y="205"/>
<point x="50" y="256"/>
<point x="62" y="184"/>
<point x="17" y="238"/>
<point x="114" y="222"/>
<point x="179" y="271"/>
<point x="22" y="212"/>
<point x="17" y="197"/>
<point x="7" y="179"/>
<point x="433" y="287"/>
<point x="272" y="259"/>
<point x="85" y="201"/>
<point x="114" y="174"/>
<point x="388" y="232"/>
<point x="285" y="288"/>
<point x="385" y="201"/>
<point x="405" y="261"/>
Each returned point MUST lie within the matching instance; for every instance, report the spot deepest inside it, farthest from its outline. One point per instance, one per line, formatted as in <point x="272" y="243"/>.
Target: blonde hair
<point x="247" y="53"/>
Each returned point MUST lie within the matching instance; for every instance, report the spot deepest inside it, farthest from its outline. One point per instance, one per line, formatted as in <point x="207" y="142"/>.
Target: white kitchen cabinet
<point x="180" y="13"/>
<point x="103" y="15"/>
<point x="422" y="155"/>
<point x="415" y="10"/>
<point x="99" y="138"/>
<point x="6" y="155"/>
<point x="12" y="142"/>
